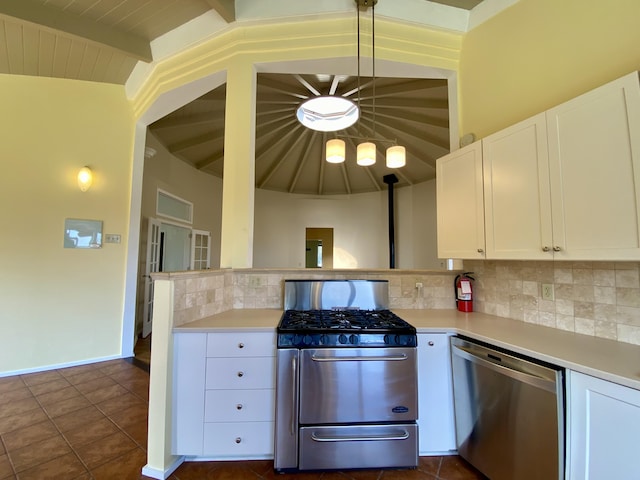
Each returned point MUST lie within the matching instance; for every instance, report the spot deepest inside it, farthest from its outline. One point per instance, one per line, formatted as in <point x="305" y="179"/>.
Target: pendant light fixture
<point x="366" y="149"/>
<point x="330" y="113"/>
<point x="396" y="156"/>
<point x="335" y="151"/>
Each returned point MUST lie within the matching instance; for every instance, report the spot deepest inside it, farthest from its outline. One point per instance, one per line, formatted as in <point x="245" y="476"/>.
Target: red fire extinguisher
<point x="464" y="292"/>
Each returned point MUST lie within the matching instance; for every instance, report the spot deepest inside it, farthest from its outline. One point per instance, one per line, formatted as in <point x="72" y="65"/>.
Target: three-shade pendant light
<point x="319" y="115"/>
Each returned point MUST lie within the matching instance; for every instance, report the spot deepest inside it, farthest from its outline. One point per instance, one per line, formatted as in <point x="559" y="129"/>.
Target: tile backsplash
<point x="601" y="299"/>
<point x="201" y="294"/>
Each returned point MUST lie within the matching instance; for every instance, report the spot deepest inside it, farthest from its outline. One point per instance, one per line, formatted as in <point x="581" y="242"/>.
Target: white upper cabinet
<point x="594" y="162"/>
<point x="562" y="185"/>
<point x="516" y="192"/>
<point x="460" y="215"/>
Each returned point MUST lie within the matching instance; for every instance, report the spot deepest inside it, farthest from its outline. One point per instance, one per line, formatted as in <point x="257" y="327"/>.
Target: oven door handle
<point x="294" y="371"/>
<point x="356" y="358"/>
<point x="360" y="438"/>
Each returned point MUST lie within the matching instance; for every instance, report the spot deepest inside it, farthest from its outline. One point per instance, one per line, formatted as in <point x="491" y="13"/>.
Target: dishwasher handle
<point x="533" y="380"/>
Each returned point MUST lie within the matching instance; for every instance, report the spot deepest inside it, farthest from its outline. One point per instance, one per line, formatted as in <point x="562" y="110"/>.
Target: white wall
<point x="360" y="224"/>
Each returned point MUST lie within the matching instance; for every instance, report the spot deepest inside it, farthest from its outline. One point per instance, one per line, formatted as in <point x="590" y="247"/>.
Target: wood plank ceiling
<point x="103" y="40"/>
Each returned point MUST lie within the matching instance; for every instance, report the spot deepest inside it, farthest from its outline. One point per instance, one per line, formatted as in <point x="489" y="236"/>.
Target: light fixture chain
<point x="359" y="108"/>
<point x="373" y="64"/>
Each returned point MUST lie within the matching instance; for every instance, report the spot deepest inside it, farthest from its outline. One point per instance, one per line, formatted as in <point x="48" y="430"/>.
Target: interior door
<point x="152" y="266"/>
<point x="175" y="242"/>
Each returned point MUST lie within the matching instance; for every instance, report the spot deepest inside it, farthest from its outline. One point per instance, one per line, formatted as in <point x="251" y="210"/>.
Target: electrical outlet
<point x="418" y="285"/>
<point x="547" y="291"/>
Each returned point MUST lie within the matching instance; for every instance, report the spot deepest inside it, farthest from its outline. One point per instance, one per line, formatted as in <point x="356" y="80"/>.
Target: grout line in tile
<point x="61" y="434"/>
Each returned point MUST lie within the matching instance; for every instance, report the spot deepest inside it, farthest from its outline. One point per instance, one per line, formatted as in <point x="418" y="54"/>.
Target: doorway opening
<point x="319" y="248"/>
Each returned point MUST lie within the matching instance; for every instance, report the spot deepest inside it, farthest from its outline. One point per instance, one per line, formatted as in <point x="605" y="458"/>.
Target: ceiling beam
<point x="68" y="24"/>
<point x="225" y="8"/>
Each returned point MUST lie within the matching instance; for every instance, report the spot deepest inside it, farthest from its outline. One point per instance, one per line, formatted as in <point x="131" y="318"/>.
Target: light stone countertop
<point x="607" y="359"/>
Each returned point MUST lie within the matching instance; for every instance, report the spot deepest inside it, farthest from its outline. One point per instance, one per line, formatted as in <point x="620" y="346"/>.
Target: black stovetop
<point x="344" y="328"/>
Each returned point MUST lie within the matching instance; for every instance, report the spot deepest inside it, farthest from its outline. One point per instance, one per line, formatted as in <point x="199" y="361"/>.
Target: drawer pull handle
<point x="557" y="249"/>
<point x="241" y="374"/>
<point x="545" y="249"/>
<point x="480" y="250"/>
<point x="431" y="344"/>
<point x="241" y="345"/>
<point x="239" y="406"/>
<point x="238" y="440"/>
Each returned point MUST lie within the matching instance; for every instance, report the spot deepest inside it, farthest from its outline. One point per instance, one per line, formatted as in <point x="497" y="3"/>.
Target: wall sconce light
<point x="85" y="178"/>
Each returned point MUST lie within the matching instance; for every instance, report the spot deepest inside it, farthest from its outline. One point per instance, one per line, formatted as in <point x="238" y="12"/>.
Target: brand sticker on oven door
<point x="400" y="409"/>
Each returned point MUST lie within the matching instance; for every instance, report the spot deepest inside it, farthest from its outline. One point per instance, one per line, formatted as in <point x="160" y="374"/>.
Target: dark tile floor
<point x="90" y="422"/>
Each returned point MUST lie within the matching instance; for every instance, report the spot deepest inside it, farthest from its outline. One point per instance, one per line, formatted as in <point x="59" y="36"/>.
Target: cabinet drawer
<point x="239" y="405"/>
<point x="242" y="439"/>
<point x="240" y="373"/>
<point x="249" y="344"/>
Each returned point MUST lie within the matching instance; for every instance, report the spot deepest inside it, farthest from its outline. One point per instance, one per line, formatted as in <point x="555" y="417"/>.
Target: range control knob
<point x="343" y="338"/>
<point x="308" y="340"/>
<point x="353" y="339"/>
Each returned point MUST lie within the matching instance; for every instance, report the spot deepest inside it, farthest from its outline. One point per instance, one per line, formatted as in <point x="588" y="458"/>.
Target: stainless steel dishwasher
<point x="509" y="413"/>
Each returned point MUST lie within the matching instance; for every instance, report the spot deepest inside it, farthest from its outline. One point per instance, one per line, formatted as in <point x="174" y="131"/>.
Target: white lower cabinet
<point x="603" y="425"/>
<point x="239" y="440"/>
<point x="224" y="393"/>
<point x="435" y="395"/>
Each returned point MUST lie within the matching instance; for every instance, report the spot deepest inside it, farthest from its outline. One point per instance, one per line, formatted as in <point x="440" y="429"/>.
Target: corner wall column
<point x="236" y="249"/>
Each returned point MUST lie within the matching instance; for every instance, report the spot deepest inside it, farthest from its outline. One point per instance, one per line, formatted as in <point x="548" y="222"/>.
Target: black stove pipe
<point x="390" y="180"/>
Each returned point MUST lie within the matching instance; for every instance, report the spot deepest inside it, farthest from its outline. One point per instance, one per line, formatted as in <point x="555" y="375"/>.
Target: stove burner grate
<point x="342" y="320"/>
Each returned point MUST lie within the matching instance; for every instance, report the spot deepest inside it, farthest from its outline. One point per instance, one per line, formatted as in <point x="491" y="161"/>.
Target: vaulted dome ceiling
<point x="290" y="157"/>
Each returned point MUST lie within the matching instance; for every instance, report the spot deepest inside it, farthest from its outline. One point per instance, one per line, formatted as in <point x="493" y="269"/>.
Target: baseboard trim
<point x="59" y="365"/>
<point x="162" y="474"/>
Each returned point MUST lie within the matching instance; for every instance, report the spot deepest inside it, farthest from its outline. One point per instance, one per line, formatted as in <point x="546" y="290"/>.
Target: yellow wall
<point x="61" y="305"/>
<point x="299" y="41"/>
<point x="539" y="53"/>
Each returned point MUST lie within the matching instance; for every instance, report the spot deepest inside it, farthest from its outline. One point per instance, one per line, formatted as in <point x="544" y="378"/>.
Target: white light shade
<point x="335" y="151"/>
<point x="328" y="113"/>
<point x="85" y="178"/>
<point x="366" y="154"/>
<point x="396" y="157"/>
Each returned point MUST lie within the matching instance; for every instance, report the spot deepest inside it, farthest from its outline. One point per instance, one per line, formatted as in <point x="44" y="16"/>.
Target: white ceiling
<point x="107" y="40"/>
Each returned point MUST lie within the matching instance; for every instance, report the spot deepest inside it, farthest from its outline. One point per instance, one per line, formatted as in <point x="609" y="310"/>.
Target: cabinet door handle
<point x="239" y="406"/>
<point x="430" y="343"/>
<point x="241" y="374"/>
<point x="545" y="249"/>
<point x="241" y="345"/>
<point x="556" y="249"/>
<point x="238" y="440"/>
<point x="480" y="250"/>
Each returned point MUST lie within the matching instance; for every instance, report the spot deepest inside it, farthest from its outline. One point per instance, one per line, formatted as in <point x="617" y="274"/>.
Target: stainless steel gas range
<point x="346" y="387"/>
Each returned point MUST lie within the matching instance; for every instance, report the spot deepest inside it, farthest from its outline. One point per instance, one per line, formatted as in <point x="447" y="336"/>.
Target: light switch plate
<point x="111" y="238"/>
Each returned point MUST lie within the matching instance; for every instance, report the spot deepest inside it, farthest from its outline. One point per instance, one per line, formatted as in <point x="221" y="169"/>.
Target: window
<point x="173" y="207"/>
